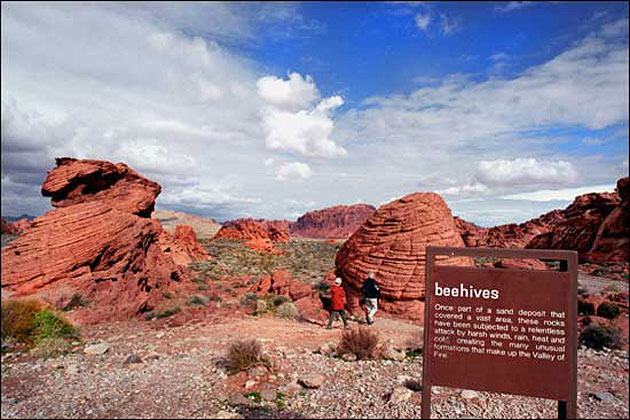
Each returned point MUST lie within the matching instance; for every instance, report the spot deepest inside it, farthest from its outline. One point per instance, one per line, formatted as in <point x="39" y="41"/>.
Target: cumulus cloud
<point x="449" y="25"/>
<point x="567" y="194"/>
<point x="469" y="189"/>
<point x="292" y="121"/>
<point x="292" y="171"/>
<point x="524" y="172"/>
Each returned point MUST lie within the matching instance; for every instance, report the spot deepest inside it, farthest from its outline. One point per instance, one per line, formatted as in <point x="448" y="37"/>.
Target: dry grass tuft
<point x="362" y="342"/>
<point x="244" y="354"/>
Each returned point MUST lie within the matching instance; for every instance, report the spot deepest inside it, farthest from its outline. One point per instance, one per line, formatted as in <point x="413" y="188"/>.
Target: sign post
<point x="502" y="330"/>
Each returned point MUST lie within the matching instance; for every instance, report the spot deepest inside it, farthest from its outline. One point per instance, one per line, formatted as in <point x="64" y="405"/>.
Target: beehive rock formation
<point x="392" y="243"/>
<point x="276" y="231"/>
<point x="99" y="242"/>
<point x="332" y="222"/>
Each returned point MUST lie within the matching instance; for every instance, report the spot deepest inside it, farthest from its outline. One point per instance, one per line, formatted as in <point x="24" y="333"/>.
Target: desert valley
<point x="112" y="309"/>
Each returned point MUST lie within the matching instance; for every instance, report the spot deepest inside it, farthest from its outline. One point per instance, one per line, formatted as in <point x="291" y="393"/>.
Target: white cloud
<point x="423" y="20"/>
<point x="292" y="95"/>
<point x="563" y="194"/>
<point x="592" y="141"/>
<point x="293" y="170"/>
<point x="524" y="172"/>
<point x="449" y="25"/>
<point x="291" y="121"/>
<point x="470" y="189"/>
<point x="513" y="5"/>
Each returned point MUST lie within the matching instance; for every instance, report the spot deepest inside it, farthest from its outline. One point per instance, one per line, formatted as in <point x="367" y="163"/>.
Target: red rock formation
<point x="582" y="220"/>
<point x="99" y="242"/>
<point x="183" y="247"/>
<point x="522" y="264"/>
<point x="254" y="229"/>
<point x="282" y="282"/>
<point x="472" y="235"/>
<point x="332" y="222"/>
<point x="612" y="242"/>
<point x="263" y="245"/>
<point x="392" y="244"/>
<point x="15" y="228"/>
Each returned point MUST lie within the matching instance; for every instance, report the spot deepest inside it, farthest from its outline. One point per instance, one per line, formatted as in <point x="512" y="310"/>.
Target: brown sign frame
<point x="568" y="265"/>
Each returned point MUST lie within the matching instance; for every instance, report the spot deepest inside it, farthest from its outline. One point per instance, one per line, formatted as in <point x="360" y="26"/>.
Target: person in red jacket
<point x="338" y="303"/>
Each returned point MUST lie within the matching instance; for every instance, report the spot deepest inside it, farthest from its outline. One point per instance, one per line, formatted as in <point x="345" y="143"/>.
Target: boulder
<point x="312" y="380"/>
<point x="98" y="242"/>
<point x="392" y="243"/>
<point x="332" y="222"/>
<point x="183" y="246"/>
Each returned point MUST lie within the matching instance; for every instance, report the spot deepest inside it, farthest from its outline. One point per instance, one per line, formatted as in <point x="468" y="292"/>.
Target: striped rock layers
<point x="392" y="243"/>
<point x="99" y="243"/>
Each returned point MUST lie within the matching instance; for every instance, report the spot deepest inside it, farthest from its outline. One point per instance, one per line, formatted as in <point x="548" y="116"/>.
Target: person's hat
<point x="338" y="281"/>
<point x="371" y="275"/>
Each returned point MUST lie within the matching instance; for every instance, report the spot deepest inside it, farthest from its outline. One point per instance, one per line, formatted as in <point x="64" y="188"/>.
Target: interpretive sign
<point x="502" y="330"/>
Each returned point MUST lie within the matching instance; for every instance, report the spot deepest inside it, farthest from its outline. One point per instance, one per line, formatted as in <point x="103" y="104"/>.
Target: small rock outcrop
<point x="612" y="241"/>
<point x="183" y="246"/>
<point x="332" y="222"/>
<point x="392" y="243"/>
<point x="276" y="231"/>
<point x="99" y="242"/>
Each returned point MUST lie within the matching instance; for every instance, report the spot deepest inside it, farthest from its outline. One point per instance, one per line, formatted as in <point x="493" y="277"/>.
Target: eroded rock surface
<point x="276" y="231"/>
<point x="99" y="243"/>
<point x="332" y="222"/>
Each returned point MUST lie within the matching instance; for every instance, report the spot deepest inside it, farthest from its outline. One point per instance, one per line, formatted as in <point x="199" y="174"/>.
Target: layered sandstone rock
<point x="612" y="242"/>
<point x="332" y="222"/>
<point x="582" y="220"/>
<point x="98" y="242"/>
<point x="392" y="243"/>
<point x="14" y="228"/>
<point x="183" y="246"/>
<point x="275" y="231"/>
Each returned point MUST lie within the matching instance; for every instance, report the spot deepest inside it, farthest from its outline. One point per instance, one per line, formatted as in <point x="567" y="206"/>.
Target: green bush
<point x="49" y="325"/>
<point x="598" y="336"/>
<point x="608" y="310"/>
<point x="361" y="341"/>
<point x="197" y="300"/>
<point x="18" y="319"/>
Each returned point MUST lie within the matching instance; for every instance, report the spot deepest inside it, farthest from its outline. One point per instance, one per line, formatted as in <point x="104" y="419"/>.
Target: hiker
<point x="338" y="303"/>
<point x="371" y="294"/>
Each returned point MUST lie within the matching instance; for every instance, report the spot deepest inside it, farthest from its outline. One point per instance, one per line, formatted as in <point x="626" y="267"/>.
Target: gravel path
<point x="181" y="376"/>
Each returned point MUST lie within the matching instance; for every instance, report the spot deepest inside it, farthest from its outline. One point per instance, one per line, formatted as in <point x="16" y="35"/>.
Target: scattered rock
<point x="400" y="394"/>
<point x="239" y="399"/>
<point x="468" y="394"/>
<point x="268" y="394"/>
<point x="349" y="357"/>
<point x="388" y="352"/>
<point x="97" y="349"/>
<point x="606" y="397"/>
<point x="313" y="380"/>
<point x="250" y="384"/>
<point x="327" y="348"/>
<point x="132" y="359"/>
<point x="222" y="414"/>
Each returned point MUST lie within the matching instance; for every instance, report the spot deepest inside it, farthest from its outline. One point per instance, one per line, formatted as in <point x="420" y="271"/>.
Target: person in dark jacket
<point x="371" y="294"/>
<point x="338" y="303"/>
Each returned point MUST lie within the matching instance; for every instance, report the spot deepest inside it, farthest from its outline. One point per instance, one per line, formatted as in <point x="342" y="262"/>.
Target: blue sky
<point x="506" y="109"/>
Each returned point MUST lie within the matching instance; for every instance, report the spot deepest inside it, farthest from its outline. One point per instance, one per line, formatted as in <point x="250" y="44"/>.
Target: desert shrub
<point x="287" y="310"/>
<point x="49" y="325"/>
<point x="214" y="298"/>
<point x="167" y="295"/>
<point x="18" y="319"/>
<point x="244" y="354"/>
<point x="585" y="308"/>
<point x="598" y="336"/>
<point x="168" y="312"/>
<point x="279" y="300"/>
<point x="75" y="301"/>
<point x="360" y="341"/>
<point x="608" y="310"/>
<point x="248" y="301"/>
<point x="197" y="300"/>
<point x="52" y="347"/>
